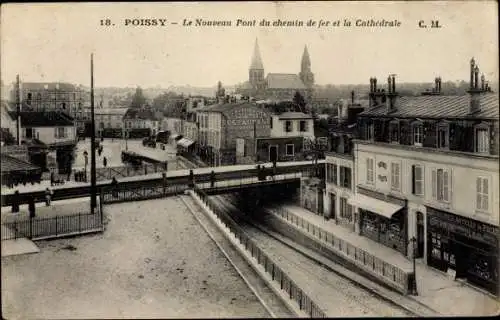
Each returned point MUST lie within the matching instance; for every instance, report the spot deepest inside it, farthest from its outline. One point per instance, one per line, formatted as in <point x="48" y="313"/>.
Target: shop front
<point x="466" y="246"/>
<point x="381" y="221"/>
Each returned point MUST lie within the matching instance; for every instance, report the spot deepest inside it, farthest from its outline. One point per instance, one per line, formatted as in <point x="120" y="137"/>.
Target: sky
<point x="53" y="42"/>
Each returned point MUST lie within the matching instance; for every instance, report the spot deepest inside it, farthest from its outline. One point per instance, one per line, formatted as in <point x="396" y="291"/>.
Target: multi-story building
<point x="224" y="127"/>
<point x="339" y="182"/>
<point x="426" y="175"/>
<point x="140" y="123"/>
<point x="109" y="122"/>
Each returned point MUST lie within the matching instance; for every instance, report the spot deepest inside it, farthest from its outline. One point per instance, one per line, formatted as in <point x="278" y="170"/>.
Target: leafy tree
<point x="299" y="100"/>
<point x="138" y="100"/>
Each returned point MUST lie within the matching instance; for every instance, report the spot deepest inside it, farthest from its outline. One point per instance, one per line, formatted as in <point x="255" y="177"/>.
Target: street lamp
<point x="414" y="248"/>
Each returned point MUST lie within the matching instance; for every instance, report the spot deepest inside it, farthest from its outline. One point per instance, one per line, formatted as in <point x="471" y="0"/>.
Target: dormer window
<point x="418" y="134"/>
<point x="481" y="139"/>
<point x="443" y="136"/>
<point x="394" y="131"/>
<point x="369" y="131"/>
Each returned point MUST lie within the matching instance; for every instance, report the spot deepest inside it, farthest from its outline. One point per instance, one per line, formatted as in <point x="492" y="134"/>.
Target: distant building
<point x="221" y="125"/>
<point x="140" y="123"/>
<point x="110" y="122"/>
<point x="277" y="86"/>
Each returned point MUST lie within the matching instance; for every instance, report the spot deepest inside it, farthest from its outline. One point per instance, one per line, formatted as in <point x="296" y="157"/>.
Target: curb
<point x="273" y="286"/>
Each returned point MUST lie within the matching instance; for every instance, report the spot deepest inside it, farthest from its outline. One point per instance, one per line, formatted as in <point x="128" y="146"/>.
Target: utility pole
<point x="18" y="110"/>
<point x="93" y="187"/>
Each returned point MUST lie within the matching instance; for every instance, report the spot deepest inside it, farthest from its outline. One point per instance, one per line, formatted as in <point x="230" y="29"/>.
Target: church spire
<point x="306" y="61"/>
<point x="256" y="59"/>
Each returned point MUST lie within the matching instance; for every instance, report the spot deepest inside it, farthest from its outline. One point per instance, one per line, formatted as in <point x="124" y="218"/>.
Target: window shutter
<point x="479" y="199"/>
<point x="413" y="177"/>
<point x="434" y="184"/>
<point x="446" y="186"/>
<point x="284" y="126"/>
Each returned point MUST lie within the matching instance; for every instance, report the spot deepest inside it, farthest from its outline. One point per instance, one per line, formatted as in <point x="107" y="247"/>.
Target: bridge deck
<point x="158" y="175"/>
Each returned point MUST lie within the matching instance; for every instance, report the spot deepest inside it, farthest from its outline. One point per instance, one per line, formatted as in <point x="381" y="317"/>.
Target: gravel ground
<point x="150" y="262"/>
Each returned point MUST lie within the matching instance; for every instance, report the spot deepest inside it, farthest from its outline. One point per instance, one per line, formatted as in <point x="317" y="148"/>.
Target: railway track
<point x="348" y="298"/>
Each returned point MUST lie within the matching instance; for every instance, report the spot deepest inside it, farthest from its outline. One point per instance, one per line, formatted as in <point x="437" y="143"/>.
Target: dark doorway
<point x="420" y="235"/>
<point x="273" y="153"/>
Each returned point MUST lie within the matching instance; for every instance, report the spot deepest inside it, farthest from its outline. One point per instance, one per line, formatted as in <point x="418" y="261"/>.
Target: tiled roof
<point x="48" y="86"/>
<point x="284" y="81"/>
<point x="224" y="107"/>
<point x="439" y="107"/>
<point x="10" y="164"/>
<point x="111" y="111"/>
<point x="143" y="114"/>
<point x="295" y="115"/>
<point x="43" y="118"/>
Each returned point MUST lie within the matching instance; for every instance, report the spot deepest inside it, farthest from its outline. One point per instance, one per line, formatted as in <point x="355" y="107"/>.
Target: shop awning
<point x="380" y="207"/>
<point x="185" y="142"/>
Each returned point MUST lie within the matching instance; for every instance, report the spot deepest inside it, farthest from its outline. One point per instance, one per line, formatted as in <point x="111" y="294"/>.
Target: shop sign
<point x="465" y="227"/>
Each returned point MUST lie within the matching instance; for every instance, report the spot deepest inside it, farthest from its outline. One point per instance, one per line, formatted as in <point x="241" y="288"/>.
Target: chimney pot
<point x="389" y="85"/>
<point x="393" y="84"/>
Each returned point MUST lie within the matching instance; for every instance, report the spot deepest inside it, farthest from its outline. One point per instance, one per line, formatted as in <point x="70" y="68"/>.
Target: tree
<point x="138" y="100"/>
<point x="299" y="100"/>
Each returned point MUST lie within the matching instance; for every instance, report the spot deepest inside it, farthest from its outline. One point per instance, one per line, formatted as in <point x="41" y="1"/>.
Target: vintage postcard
<point x="249" y="159"/>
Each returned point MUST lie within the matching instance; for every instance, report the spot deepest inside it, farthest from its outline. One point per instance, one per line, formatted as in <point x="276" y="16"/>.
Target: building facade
<point x="426" y="175"/>
<point x="110" y="122"/>
<point x="140" y="123"/>
<point x="222" y="124"/>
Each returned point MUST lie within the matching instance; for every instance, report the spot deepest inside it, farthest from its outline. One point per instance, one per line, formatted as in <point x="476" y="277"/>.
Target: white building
<point x="292" y="124"/>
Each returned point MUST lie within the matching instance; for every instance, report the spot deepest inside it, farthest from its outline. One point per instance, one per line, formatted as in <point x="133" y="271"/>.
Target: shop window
<point x="482" y="194"/>
<point x="370" y="168"/>
<point x="418" y="134"/>
<point x="482" y="139"/>
<point x="443" y="136"/>
<point x="345" y="209"/>
<point x="441" y="185"/>
<point x="345" y="177"/>
<point x="289" y="149"/>
<point x="395" y="176"/>
<point x="418" y="180"/>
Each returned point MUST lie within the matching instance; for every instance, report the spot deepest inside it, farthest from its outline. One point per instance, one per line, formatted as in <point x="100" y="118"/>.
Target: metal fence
<point x="140" y="192"/>
<point x="304" y="302"/>
<point x="127" y="171"/>
<point x="389" y="272"/>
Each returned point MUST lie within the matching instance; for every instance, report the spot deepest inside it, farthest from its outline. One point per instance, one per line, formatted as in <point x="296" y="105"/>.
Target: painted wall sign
<point x="382" y="178"/>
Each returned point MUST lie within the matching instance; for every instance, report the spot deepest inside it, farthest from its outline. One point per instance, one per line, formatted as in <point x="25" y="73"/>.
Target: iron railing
<point x="304" y="302"/>
<point x="389" y="272"/>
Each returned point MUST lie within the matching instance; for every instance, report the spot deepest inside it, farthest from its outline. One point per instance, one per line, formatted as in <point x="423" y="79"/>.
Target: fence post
<point x="79" y="223"/>
<point x="31" y="227"/>
<point x="56" y="225"/>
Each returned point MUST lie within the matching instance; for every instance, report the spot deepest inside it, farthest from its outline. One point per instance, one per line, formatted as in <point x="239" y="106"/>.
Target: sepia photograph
<point x="273" y="159"/>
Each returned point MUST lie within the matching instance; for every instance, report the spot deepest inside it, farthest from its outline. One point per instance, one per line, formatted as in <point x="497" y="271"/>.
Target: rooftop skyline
<point x="53" y="42"/>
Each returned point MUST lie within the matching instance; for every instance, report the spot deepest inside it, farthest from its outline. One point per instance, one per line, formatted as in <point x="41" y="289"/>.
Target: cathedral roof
<point x="284" y="81"/>
<point x="256" y="59"/>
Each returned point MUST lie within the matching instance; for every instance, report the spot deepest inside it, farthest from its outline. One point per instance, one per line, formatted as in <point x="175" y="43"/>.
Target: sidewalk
<point x="436" y="289"/>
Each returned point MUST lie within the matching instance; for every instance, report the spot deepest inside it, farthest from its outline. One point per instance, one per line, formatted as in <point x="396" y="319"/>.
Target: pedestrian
<point x="15" y="202"/>
<point x="114" y="184"/>
<point x="48" y="196"/>
<point x="99" y="151"/>
<point x="105" y="162"/>
<point x="52" y="178"/>
<point x="31" y="207"/>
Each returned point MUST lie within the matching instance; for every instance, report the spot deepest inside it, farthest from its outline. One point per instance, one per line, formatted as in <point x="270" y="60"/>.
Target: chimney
<point x="436" y="86"/>
<point x="389" y="85"/>
<point x="371" y="85"/>
<point x="476" y="77"/>
<point x="472" y="64"/>
<point x="352" y="97"/>
<point x="439" y="84"/>
<point x="374" y="84"/>
<point x="482" y="82"/>
<point x="393" y="83"/>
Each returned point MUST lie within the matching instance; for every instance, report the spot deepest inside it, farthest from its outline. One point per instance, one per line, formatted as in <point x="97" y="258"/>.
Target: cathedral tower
<point x="256" y="71"/>
<point x="305" y="74"/>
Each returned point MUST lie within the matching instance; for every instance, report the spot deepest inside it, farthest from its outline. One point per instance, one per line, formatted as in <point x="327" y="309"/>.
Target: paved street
<point x="151" y="262"/>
